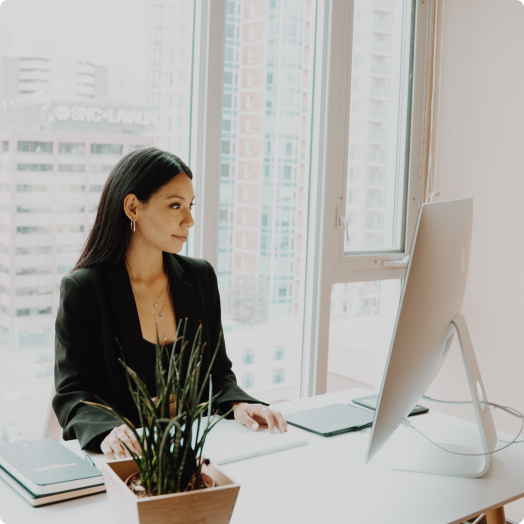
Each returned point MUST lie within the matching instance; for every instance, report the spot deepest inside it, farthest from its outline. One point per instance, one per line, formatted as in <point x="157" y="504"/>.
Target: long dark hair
<point x="143" y="173"/>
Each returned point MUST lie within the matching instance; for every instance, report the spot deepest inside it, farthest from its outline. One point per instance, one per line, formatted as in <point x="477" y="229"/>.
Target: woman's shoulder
<point x="86" y="277"/>
<point x="192" y="264"/>
<point x="197" y="271"/>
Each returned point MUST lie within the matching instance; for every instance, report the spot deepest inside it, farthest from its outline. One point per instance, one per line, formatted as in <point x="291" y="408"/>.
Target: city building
<point x="60" y="135"/>
<point x="168" y="72"/>
<point x="372" y="220"/>
<point x="44" y="77"/>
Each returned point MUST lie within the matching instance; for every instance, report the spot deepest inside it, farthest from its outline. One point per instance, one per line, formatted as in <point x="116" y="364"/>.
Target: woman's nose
<point x="188" y="219"/>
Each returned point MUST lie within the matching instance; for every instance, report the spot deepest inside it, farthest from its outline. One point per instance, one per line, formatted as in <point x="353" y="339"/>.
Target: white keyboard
<point x="251" y="445"/>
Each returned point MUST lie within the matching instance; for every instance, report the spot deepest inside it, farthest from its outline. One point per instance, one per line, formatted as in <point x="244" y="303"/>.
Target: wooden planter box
<point x="203" y="506"/>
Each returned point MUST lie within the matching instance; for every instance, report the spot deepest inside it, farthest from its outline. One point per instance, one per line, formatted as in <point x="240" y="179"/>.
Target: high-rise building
<point x="266" y="106"/>
<point x="264" y="153"/>
<point x="41" y="78"/>
<point x="373" y="134"/>
<point x="168" y="72"/>
<point x="60" y="136"/>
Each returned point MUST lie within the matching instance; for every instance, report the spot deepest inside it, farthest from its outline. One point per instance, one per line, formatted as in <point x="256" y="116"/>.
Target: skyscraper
<point x="263" y="152"/>
<point x="60" y="136"/>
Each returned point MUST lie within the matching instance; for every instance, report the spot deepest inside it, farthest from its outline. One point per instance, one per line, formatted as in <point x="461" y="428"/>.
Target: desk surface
<point x="327" y="481"/>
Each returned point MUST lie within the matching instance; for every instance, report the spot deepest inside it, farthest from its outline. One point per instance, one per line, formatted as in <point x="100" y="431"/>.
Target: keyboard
<point x="251" y="445"/>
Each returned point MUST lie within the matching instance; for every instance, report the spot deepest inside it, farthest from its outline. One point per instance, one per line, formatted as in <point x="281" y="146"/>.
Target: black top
<point x="148" y="373"/>
<point x="97" y="323"/>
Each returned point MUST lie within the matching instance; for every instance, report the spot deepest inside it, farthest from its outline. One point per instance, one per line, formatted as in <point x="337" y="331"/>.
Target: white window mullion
<point x="206" y="118"/>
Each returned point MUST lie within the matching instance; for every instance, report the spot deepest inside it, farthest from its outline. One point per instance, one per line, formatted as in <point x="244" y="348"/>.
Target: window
<point x="61" y="143"/>
<point x="65" y="148"/>
<point x="259" y="208"/>
<point x="278" y="376"/>
<point x="106" y="149"/>
<point x="22" y="292"/>
<point x="279" y="353"/>
<point x="247" y="381"/>
<point x="35" y="147"/>
<point x="72" y="168"/>
<point x="378" y="224"/>
<point x="251" y="269"/>
<point x="248" y="357"/>
<point x="34" y="167"/>
<point x="361" y="325"/>
<point x="24" y="230"/>
<point x="96" y="168"/>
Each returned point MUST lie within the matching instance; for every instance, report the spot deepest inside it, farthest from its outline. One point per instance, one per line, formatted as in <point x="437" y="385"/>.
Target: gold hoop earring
<point x="133" y="226"/>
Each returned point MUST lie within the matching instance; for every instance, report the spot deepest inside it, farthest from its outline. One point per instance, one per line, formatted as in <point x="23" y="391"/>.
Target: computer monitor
<point x="428" y="316"/>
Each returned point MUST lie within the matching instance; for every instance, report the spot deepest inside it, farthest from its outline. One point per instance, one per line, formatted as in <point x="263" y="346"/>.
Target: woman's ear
<point x="130" y="207"/>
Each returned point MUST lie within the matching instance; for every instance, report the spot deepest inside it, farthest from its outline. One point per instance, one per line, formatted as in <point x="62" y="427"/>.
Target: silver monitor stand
<point x="414" y="453"/>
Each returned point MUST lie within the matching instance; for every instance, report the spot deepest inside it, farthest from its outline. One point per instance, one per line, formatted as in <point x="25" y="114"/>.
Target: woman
<point x="128" y="283"/>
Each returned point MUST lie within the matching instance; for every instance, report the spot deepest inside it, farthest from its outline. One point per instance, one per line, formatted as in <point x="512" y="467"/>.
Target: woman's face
<point x="165" y="219"/>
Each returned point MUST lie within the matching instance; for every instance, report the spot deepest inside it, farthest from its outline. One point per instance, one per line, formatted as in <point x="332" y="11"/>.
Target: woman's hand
<point x="112" y="446"/>
<point x="252" y="415"/>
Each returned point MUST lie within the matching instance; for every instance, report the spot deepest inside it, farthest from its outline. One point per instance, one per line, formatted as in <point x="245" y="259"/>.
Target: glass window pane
<point x="71" y="107"/>
<point x="376" y="181"/>
<point x="361" y="325"/>
<point x="263" y="187"/>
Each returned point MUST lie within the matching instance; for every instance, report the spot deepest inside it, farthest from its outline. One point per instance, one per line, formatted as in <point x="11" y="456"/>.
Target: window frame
<point x="326" y="264"/>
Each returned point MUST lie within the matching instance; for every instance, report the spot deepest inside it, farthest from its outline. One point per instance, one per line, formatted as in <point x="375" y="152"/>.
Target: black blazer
<point x="96" y="307"/>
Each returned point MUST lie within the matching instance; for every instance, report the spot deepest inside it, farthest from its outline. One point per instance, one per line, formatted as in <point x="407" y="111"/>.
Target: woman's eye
<point x="175" y="206"/>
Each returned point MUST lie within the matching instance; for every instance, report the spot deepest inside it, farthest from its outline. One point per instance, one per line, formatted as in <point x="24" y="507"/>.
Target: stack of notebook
<point x="44" y="471"/>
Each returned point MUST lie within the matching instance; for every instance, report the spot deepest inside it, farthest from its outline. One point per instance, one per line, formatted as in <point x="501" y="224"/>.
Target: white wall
<point x="481" y="154"/>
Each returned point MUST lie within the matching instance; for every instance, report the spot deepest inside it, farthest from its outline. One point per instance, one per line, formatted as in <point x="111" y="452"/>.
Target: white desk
<point x="327" y="482"/>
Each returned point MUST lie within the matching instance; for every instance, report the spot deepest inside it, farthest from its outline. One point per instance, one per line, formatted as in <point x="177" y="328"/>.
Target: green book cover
<point x="45" y="466"/>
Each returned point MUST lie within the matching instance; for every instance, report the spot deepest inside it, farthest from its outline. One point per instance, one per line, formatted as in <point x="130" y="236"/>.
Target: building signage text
<point x="111" y="116"/>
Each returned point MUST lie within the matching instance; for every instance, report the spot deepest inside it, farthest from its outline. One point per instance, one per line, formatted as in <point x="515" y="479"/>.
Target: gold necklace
<point x="167" y="279"/>
<point x="161" y="314"/>
<point x="156" y="299"/>
<point x="139" y="294"/>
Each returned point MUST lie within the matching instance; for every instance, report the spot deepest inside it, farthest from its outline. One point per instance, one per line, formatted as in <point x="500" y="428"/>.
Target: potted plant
<point x="171" y="481"/>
